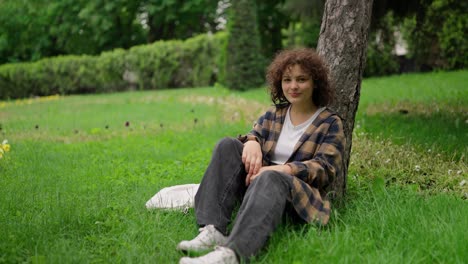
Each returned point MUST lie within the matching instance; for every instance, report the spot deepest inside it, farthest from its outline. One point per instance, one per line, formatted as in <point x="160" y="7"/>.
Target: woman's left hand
<point x="281" y="168"/>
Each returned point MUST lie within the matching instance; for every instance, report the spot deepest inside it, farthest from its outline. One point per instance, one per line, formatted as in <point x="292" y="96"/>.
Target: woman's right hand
<point x="252" y="158"/>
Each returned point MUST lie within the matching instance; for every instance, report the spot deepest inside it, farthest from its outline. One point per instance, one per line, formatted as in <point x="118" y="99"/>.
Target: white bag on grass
<point x="174" y="197"/>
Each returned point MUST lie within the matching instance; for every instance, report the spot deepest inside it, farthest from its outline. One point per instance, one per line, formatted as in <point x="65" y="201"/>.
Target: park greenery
<point x="244" y="66"/>
<point x="91" y="127"/>
<point x="69" y="47"/>
<point x="433" y="30"/>
<point x="163" y="64"/>
<point x="80" y="169"/>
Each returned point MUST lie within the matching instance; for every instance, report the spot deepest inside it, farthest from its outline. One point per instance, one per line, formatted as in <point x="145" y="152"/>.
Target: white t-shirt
<point x="289" y="136"/>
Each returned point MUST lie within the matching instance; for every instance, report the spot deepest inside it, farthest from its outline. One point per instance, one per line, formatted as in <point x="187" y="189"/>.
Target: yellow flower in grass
<point x="4" y="147"/>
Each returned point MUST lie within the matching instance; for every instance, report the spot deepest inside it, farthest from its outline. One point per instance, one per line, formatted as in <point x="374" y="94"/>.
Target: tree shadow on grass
<point x="443" y="132"/>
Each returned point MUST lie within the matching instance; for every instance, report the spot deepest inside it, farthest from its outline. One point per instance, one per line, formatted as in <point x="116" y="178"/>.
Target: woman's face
<point x="297" y="86"/>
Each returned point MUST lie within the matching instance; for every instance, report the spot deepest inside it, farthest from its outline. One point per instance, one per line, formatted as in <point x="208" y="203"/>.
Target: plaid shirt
<point x="315" y="162"/>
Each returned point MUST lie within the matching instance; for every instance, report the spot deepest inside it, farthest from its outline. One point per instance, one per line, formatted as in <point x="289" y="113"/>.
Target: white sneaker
<point x="208" y="237"/>
<point x="221" y="255"/>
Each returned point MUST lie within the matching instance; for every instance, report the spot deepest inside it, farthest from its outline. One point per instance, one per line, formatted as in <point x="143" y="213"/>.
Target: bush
<point x="381" y="59"/>
<point x="207" y="53"/>
<point x="111" y="72"/>
<point x="452" y="38"/>
<point x="163" y="64"/>
<point x="67" y="75"/>
<point x="437" y="39"/>
<point x="154" y="64"/>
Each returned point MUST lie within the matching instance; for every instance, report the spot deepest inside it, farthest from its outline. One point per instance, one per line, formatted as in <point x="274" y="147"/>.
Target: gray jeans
<point x="263" y="202"/>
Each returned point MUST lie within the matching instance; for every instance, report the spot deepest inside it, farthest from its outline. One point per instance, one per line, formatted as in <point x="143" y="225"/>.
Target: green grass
<point x="428" y="110"/>
<point x="380" y="225"/>
<point x="73" y="189"/>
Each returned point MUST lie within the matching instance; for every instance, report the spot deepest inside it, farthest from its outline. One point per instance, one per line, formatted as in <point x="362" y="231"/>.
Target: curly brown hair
<point x="311" y="63"/>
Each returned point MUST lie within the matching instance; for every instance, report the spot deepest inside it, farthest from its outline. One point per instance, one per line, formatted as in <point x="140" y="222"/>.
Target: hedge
<point x="163" y="64"/>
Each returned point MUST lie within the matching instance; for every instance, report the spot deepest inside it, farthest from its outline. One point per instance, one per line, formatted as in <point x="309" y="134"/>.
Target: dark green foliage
<point x="437" y="36"/>
<point x="434" y="30"/>
<point x="31" y="30"/>
<point x="178" y="19"/>
<point x="381" y="59"/>
<point x="164" y="64"/>
<point x="22" y="31"/>
<point x="271" y="20"/>
<point x="244" y="62"/>
<point x="306" y="19"/>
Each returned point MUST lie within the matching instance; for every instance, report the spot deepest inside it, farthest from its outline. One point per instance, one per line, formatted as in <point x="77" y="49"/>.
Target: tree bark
<point x="343" y="45"/>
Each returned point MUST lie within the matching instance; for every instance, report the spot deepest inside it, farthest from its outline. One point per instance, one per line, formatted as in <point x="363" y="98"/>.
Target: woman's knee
<point x="227" y="143"/>
<point x="271" y="178"/>
<point x="272" y="184"/>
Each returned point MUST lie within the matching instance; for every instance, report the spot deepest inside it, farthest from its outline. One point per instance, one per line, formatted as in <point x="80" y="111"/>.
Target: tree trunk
<point x="343" y="45"/>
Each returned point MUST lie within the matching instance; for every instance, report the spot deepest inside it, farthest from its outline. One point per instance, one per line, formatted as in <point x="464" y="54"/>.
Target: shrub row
<point x="163" y="64"/>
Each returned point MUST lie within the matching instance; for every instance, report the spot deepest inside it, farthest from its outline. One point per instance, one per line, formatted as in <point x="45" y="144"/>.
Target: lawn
<point x="74" y="185"/>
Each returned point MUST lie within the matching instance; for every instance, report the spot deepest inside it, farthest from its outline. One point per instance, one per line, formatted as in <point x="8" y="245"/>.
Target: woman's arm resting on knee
<point x="281" y="168"/>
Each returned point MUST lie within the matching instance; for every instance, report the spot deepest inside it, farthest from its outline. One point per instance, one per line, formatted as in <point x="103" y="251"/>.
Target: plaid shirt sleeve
<point x="261" y="130"/>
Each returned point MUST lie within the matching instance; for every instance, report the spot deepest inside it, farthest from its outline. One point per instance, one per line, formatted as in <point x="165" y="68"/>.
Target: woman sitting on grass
<point x="284" y="166"/>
